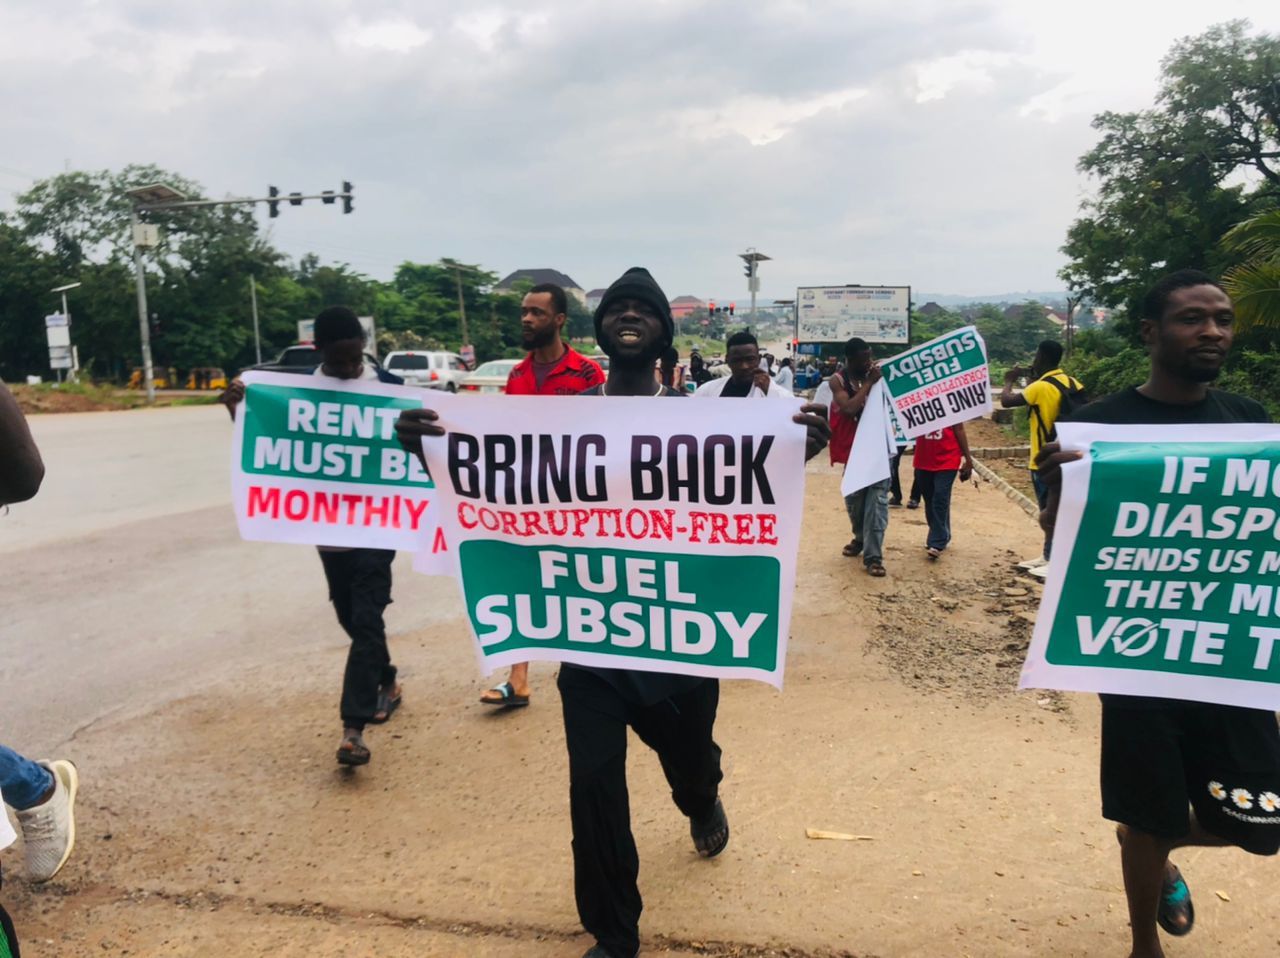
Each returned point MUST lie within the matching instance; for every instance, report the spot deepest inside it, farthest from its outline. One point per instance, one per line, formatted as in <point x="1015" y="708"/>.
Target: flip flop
<point x="353" y="751"/>
<point x="711" y="836"/>
<point x="386" y="707"/>
<point x="1175" y="902"/>
<point x="509" y="698"/>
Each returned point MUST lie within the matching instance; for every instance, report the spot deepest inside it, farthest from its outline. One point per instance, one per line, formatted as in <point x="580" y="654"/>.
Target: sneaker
<point x="913" y="503"/>
<point x="1035" y="563"/>
<point x="932" y="553"/>
<point x="49" y="829"/>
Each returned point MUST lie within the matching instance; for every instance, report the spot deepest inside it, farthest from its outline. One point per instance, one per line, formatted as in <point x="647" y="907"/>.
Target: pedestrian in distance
<point x="1049" y="394"/>
<point x="359" y="580"/>
<point x="552" y="368"/>
<point x="746" y="379"/>
<point x="1174" y="772"/>
<point x="785" y="376"/>
<point x="941" y="456"/>
<point x="868" y="508"/>
<point x="673" y="714"/>
<point x="669" y="371"/>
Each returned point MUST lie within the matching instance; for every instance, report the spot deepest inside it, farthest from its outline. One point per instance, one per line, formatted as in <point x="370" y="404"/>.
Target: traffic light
<point x="711" y="308"/>
<point x="731" y="309"/>
<point x="273" y="205"/>
<point x="326" y="197"/>
<point x="295" y="199"/>
<point x="346" y="200"/>
<point x="750" y="268"/>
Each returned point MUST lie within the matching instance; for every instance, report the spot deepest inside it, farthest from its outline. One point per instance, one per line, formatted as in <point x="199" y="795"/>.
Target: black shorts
<point x="1222" y="761"/>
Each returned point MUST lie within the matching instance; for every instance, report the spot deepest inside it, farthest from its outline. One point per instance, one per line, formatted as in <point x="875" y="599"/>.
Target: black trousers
<point x="360" y="589"/>
<point x="605" y="862"/>
<point x="895" y="484"/>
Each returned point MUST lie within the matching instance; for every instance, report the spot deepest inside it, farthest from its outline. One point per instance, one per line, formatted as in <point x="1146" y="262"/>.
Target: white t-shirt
<point x="784" y="378"/>
<point x="716" y="386"/>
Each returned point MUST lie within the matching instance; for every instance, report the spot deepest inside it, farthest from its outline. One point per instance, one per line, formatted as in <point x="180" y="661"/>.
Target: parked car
<point x="434" y="370"/>
<point x="303" y="358"/>
<point x="490" y="377"/>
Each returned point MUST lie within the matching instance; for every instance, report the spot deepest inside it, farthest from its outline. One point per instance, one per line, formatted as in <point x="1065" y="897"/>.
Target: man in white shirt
<point x="746" y="378"/>
<point x="785" y="376"/>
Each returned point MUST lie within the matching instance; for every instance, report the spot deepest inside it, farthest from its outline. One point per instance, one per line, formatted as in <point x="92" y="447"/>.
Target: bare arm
<point x="21" y="468"/>
<point x="1008" y="398"/>
<point x="962" y="438"/>
<point x="852" y="405"/>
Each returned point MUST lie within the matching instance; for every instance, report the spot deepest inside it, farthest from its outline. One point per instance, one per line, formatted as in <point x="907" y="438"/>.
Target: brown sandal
<point x="853" y="549"/>
<point x="876" y="570"/>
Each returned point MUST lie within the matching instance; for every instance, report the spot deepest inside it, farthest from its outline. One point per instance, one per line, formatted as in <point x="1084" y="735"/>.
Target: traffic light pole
<point x="236" y="201"/>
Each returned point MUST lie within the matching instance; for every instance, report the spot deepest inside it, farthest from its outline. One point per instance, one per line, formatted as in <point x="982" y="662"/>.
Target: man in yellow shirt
<point x="1044" y="394"/>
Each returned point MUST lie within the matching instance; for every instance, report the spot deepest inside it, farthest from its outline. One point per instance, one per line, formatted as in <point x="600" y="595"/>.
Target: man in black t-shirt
<point x="673" y="714"/>
<point x="1168" y="765"/>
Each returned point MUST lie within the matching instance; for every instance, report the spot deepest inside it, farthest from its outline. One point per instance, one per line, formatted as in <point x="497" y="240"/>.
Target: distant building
<point x="930" y="309"/>
<point x="536" y="276"/>
<point x="594" y="299"/>
<point x="682" y="306"/>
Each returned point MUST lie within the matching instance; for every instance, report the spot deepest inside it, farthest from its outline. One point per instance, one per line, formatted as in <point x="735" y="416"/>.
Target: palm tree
<point x="1254" y="285"/>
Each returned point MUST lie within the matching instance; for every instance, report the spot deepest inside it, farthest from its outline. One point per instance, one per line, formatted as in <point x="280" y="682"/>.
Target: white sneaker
<point x="49" y="829"/>
<point x="1035" y="563"/>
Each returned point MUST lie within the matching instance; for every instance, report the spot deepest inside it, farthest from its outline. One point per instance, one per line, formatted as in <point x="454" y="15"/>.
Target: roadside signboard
<point x="833" y="314"/>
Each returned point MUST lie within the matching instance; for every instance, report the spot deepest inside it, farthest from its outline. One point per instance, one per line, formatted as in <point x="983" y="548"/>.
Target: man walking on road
<point x="1168" y="766"/>
<point x="673" y="714"/>
<point x="939" y="457"/>
<point x="552" y="368"/>
<point x="868" y="508"/>
<point x="1045" y="396"/>
<point x="746" y="376"/>
<point x="359" y="579"/>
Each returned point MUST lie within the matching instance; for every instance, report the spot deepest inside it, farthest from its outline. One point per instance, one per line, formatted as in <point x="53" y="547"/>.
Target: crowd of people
<point x="1159" y="757"/>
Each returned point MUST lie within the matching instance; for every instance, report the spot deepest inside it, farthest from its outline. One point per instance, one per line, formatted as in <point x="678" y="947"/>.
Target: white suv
<point x="432" y="370"/>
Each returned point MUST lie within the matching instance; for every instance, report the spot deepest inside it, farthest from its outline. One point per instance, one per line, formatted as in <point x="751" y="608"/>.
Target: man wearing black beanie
<point x="673" y="714"/>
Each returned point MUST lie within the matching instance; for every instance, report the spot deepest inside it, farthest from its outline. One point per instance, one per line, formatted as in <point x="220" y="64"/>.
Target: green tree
<point x="1254" y="285"/>
<point x="1169" y="178"/>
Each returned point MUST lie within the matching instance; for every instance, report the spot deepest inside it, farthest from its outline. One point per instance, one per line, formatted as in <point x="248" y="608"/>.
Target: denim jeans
<point x="22" y="781"/>
<point x="935" y="489"/>
<point x="869" y="516"/>
<point x="1042" y="497"/>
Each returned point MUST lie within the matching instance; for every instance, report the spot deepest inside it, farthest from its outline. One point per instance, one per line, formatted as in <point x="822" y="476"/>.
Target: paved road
<point x="126" y="584"/>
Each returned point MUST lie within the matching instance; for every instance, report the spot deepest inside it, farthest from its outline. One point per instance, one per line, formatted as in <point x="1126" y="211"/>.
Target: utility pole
<point x="462" y="305"/>
<point x="159" y="196"/>
<point x="253" y="300"/>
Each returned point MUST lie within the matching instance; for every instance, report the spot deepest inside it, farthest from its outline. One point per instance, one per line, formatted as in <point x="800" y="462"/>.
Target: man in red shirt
<point x="552" y="368"/>
<point x="938" y="458"/>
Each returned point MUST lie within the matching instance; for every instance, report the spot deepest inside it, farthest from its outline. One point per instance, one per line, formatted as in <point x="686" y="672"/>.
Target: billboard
<point x="830" y="314"/>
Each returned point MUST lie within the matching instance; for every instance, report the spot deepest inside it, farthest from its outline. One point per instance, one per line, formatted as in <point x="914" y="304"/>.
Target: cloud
<point x="915" y="141"/>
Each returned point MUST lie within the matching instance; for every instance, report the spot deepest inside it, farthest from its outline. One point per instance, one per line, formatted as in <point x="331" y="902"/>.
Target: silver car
<point x="490" y="377"/>
<point x="433" y="370"/>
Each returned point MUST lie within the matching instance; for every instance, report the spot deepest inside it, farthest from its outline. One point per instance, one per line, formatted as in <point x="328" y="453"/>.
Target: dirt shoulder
<point x="218" y="823"/>
<point x="81" y="397"/>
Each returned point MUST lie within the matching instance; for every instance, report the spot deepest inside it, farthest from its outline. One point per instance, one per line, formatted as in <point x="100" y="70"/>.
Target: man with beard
<point x="672" y="714"/>
<point x="552" y="368"/>
<point x="1171" y="769"/>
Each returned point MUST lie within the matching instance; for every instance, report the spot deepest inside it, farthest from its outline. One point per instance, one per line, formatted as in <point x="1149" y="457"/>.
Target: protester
<point x="669" y="371"/>
<point x="698" y="371"/>
<point x="673" y="714"/>
<point x="785" y="376"/>
<point x="1164" y="761"/>
<point x="42" y="794"/>
<point x="939" y="456"/>
<point x="552" y="368"/>
<point x="868" y="508"/>
<point x="1044" y="396"/>
<point x="359" y="580"/>
<point x="746" y="377"/>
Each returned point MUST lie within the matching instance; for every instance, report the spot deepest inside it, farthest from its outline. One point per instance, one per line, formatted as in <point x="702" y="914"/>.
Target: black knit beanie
<point x="636" y="283"/>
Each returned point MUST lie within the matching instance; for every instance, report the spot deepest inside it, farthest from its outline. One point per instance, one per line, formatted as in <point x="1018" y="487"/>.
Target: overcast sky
<point x="923" y="142"/>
